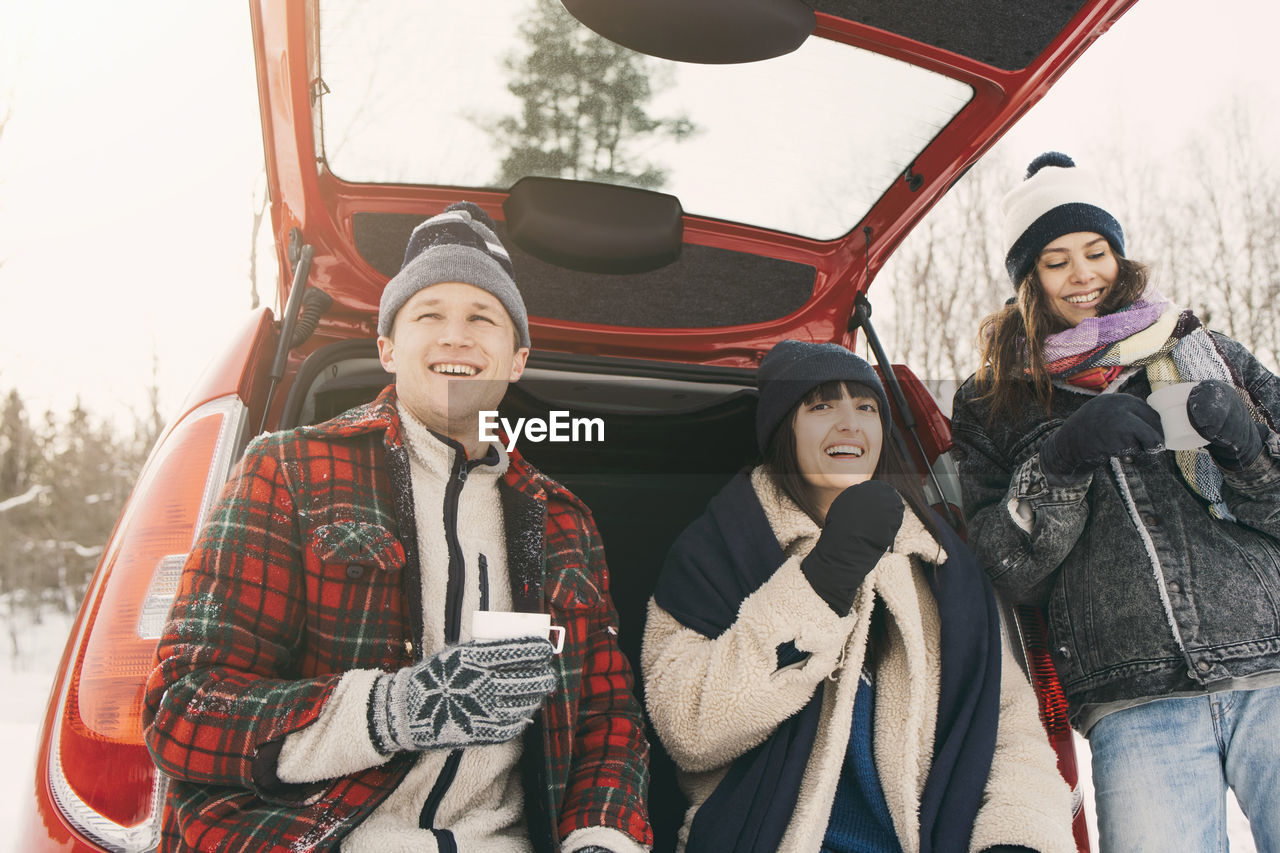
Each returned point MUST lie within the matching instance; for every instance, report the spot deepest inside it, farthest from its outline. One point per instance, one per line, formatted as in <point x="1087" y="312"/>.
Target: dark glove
<point x="861" y="525"/>
<point x="477" y="692"/>
<point x="1217" y="412"/>
<point x="1107" y="425"/>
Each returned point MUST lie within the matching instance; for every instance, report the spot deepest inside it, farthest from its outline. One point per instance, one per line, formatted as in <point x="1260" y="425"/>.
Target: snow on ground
<point x="25" y="681"/>
<point x="29" y="655"/>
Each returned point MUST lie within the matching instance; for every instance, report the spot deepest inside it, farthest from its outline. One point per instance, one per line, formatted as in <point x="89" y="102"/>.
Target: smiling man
<point x="318" y="686"/>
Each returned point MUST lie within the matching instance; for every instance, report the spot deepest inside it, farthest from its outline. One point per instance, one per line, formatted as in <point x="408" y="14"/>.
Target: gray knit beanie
<point x="1055" y="198"/>
<point x="792" y="369"/>
<point x="456" y="245"/>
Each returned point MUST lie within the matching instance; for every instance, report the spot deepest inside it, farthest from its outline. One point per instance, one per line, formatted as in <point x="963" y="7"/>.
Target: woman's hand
<point x="1107" y="425"/>
<point x="1218" y="413"/>
<point x="860" y="527"/>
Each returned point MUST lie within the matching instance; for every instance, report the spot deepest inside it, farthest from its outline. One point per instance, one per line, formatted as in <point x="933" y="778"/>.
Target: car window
<point x="478" y="94"/>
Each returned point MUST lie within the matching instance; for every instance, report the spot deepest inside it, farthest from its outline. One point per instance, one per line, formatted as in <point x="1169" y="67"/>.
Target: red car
<point x="735" y="175"/>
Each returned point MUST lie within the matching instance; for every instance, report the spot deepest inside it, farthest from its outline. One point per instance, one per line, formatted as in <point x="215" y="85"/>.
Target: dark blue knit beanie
<point x="792" y="369"/>
<point x="1055" y="198"/>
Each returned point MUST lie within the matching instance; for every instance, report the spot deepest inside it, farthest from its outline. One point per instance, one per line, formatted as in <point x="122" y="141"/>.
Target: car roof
<point x="795" y="178"/>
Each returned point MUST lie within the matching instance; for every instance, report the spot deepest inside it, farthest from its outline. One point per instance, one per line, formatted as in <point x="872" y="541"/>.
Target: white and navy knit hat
<point x="793" y="368"/>
<point x="456" y="245"/>
<point x="1056" y="198"/>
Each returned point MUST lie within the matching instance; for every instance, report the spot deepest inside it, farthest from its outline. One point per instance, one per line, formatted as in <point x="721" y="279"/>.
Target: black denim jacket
<point x="1146" y="593"/>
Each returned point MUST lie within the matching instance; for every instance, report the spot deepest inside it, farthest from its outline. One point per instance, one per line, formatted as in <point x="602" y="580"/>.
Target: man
<point x="318" y="686"/>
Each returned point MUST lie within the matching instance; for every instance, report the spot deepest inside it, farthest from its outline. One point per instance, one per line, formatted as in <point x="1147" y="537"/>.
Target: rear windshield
<point x="478" y="94"/>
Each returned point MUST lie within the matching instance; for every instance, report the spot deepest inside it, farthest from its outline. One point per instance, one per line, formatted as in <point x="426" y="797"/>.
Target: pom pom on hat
<point x="471" y="227"/>
<point x="457" y="244"/>
<point x="1055" y="198"/>
<point x="1049" y="158"/>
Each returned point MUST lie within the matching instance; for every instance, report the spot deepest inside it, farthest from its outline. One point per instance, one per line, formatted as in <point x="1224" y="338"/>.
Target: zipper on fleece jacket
<point x="457" y="567"/>
<point x="457" y="562"/>
<point x="454" y="590"/>
<point x="444" y="838"/>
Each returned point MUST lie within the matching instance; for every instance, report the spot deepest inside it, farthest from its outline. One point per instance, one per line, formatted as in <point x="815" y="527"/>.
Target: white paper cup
<point x="1171" y="402"/>
<point x="507" y="625"/>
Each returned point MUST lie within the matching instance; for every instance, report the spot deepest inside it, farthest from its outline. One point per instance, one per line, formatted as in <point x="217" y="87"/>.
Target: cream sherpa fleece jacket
<point x="711" y="700"/>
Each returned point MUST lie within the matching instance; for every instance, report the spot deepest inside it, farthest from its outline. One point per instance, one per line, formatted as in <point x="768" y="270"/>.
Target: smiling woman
<point x="1156" y="560"/>
<point x="818" y="587"/>
<point x="1077" y="272"/>
<point x="838" y="435"/>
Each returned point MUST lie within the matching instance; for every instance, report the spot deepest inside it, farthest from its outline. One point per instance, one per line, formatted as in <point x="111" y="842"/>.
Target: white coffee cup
<point x="1171" y="402"/>
<point x="507" y="624"/>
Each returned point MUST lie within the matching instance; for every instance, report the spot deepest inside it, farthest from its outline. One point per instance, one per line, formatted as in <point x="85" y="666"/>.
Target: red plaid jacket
<point x="308" y="568"/>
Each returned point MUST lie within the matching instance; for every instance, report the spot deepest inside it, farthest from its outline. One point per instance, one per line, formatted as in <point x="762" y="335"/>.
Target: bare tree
<point x="945" y="277"/>
<point x="1218" y="238"/>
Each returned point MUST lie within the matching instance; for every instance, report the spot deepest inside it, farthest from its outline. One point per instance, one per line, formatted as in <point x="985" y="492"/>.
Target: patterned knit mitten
<point x="474" y="693"/>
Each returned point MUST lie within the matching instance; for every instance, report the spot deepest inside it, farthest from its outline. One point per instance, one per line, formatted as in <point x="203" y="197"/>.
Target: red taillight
<point x="1053" y="709"/>
<point x="1053" y="702"/>
<point x="100" y="773"/>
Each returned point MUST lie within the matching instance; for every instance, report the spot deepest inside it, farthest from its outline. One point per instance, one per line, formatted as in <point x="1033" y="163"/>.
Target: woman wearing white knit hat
<point x="1155" y="552"/>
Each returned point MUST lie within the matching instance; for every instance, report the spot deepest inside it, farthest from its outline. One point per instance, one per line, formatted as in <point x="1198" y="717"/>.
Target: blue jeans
<point x="1161" y="772"/>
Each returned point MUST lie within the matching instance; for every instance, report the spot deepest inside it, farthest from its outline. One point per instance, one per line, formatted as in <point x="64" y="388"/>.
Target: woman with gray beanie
<point x="1152" y="539"/>
<point x="823" y="657"/>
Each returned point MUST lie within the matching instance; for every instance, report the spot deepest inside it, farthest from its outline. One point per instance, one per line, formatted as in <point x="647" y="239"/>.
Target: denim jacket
<point x="1146" y="594"/>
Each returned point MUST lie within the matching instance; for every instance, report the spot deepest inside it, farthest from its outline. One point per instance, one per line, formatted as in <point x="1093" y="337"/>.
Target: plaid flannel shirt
<point x="308" y="568"/>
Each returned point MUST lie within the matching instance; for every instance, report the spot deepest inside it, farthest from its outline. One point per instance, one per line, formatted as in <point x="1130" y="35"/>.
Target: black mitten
<point x="484" y="691"/>
<point x="861" y="525"/>
<point x="1217" y="412"/>
<point x="1107" y="425"/>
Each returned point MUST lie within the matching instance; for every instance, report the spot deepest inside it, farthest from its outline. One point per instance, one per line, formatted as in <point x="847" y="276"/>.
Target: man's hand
<point x="1217" y="412"/>
<point x="474" y="693"/>
<point x="1107" y="425"/>
<point x="860" y="526"/>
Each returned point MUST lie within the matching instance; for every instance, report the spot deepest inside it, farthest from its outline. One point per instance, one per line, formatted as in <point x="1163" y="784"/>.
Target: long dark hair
<point x="1011" y="340"/>
<point x="783" y="461"/>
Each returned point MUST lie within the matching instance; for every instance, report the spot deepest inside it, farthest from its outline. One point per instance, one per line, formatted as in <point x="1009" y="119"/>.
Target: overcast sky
<point x="130" y="161"/>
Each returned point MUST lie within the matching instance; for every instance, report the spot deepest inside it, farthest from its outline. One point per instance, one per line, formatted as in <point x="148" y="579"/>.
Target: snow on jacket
<point x="308" y="569"/>
<point x="712" y="700"/>
<point x="1146" y="594"/>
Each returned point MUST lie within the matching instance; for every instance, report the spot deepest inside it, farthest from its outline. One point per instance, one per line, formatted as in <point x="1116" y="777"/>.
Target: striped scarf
<point x="1173" y="346"/>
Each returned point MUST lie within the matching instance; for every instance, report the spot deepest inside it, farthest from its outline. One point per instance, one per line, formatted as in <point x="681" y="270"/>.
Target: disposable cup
<point x="1171" y="403"/>
<point x="507" y="624"/>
